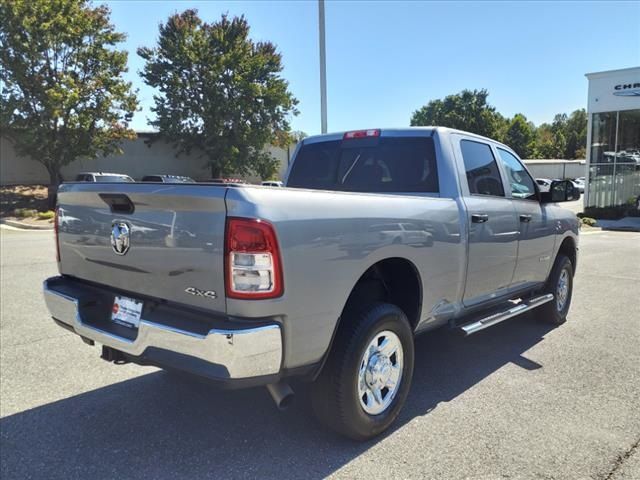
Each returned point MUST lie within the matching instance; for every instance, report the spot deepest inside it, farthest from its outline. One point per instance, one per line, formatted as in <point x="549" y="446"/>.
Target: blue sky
<point x="386" y="59"/>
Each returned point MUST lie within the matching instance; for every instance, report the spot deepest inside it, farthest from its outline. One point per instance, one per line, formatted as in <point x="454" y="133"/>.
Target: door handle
<point x="479" y="217"/>
<point x="525" y="218"/>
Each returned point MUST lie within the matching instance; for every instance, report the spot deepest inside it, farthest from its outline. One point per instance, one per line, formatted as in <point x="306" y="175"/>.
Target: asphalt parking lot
<point x="519" y="400"/>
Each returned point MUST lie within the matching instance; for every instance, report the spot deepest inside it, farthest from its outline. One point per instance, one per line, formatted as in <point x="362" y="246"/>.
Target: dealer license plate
<point x="126" y="311"/>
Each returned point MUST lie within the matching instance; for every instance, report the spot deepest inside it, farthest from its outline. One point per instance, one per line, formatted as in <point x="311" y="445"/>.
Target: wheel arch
<point x="395" y="280"/>
<point x="569" y="247"/>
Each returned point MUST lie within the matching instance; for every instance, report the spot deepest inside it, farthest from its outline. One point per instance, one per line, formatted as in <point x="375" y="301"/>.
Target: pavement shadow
<point x="162" y="426"/>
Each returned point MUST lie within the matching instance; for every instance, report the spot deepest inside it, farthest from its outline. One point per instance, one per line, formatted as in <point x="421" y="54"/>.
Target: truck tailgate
<point x="158" y="240"/>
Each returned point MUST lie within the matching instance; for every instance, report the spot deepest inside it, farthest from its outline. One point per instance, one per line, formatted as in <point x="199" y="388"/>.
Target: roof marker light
<point x="361" y="134"/>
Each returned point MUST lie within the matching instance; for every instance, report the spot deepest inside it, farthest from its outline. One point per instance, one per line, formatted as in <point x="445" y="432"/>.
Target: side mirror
<point x="561" y="191"/>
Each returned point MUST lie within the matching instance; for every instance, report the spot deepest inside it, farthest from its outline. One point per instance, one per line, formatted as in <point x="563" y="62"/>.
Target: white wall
<point x="139" y="158"/>
<point x="557" y="168"/>
<point x="614" y="90"/>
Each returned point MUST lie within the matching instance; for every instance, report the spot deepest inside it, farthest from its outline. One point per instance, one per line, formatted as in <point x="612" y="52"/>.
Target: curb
<point x="24" y="226"/>
<point x="620" y="229"/>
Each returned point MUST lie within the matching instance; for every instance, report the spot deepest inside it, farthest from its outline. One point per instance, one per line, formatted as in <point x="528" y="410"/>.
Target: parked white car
<point x="103" y="177"/>
<point x="579" y="183"/>
<point x="272" y="183"/>
<point x="544" y="184"/>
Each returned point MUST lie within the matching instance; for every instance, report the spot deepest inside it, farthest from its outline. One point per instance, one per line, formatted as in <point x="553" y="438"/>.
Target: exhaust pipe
<point x="282" y="394"/>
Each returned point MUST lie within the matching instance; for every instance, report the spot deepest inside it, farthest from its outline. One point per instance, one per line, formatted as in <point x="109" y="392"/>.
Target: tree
<point x="467" y="110"/>
<point x="520" y="136"/>
<point x="63" y="96"/>
<point x="220" y="94"/>
<point x="549" y="143"/>
<point x="576" y="134"/>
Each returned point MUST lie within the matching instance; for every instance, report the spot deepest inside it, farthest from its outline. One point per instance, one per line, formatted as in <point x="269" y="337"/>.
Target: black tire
<point x="335" y="398"/>
<point x="553" y="312"/>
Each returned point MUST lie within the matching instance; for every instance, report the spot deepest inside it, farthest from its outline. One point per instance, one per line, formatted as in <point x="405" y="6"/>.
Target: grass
<point x="48" y="215"/>
<point x="25" y="212"/>
<point x="588" y="221"/>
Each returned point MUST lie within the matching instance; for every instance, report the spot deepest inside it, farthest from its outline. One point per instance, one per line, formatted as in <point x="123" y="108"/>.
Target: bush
<point x="48" y="215"/>
<point x="605" y="213"/>
<point x="628" y="209"/>
<point x="589" y="221"/>
<point x="25" y="212"/>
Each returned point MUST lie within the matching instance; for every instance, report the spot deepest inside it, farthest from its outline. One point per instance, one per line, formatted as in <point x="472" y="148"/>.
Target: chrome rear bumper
<point x="238" y="353"/>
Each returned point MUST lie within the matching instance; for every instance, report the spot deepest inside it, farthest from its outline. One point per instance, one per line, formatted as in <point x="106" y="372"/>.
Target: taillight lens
<point x="361" y="134"/>
<point x="252" y="259"/>
<point x="55" y="230"/>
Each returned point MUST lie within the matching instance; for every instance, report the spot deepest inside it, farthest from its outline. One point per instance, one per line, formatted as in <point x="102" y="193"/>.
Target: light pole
<point x="323" y="69"/>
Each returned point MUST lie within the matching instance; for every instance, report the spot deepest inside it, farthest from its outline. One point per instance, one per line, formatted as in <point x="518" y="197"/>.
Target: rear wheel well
<point x="394" y="280"/>
<point x="568" y="248"/>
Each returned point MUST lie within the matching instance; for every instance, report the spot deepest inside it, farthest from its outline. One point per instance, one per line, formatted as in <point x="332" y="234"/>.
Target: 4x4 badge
<point x="201" y="293"/>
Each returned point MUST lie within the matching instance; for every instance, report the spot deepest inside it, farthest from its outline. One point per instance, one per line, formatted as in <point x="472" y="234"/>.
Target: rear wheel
<point x="560" y="284"/>
<point x="365" y="382"/>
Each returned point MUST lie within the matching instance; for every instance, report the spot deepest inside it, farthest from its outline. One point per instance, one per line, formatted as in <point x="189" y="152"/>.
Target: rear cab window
<point x="377" y="165"/>
<point x="483" y="175"/>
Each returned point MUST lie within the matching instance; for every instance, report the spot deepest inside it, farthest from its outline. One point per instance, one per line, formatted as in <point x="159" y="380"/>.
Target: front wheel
<point x="365" y="382"/>
<point x="560" y="284"/>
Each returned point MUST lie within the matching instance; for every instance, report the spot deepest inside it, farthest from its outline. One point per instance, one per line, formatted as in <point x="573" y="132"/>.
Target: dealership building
<point x="613" y="138"/>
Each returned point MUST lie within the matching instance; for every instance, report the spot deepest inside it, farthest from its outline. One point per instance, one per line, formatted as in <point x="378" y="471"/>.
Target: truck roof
<point x="103" y="173"/>
<point x="398" y="132"/>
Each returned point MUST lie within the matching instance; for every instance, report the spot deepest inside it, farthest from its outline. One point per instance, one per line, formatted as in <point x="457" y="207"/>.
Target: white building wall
<point x="610" y="91"/>
<point x="561" y="169"/>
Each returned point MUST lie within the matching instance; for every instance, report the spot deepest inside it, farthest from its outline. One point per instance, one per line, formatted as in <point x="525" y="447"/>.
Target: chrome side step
<point x="495" y="318"/>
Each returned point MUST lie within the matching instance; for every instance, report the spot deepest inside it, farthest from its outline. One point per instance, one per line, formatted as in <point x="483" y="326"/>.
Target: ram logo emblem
<point x="120" y="233"/>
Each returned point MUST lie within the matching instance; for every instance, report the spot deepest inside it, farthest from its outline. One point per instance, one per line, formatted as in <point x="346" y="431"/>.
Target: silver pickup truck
<point x="378" y="236"/>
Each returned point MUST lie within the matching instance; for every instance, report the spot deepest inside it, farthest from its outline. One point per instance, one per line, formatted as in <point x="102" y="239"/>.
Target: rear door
<point x="536" y="239"/>
<point x="492" y="222"/>
<point x="161" y="241"/>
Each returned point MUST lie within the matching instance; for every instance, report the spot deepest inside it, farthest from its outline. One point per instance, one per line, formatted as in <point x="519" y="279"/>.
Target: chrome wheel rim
<point x="562" y="290"/>
<point x="380" y="372"/>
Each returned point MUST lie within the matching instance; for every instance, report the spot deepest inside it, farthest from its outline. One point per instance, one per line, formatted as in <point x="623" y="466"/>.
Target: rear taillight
<point x="361" y="134"/>
<point x="55" y="230"/>
<point x="252" y="260"/>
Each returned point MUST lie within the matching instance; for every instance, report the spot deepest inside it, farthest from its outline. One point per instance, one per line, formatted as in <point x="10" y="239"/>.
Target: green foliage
<point x="575" y="133"/>
<point x="548" y="143"/>
<point x="63" y="96"/>
<point x="48" y="215"/>
<point x="520" y="136"/>
<point x="220" y="93"/>
<point x="25" y="212"/>
<point x="467" y="110"/>
<point x="591" y="222"/>
<point x="298" y="136"/>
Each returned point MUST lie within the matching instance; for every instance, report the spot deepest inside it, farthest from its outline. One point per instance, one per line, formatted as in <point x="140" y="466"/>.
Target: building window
<point x="627" y="177"/>
<point x="614" y="165"/>
<point x="603" y="137"/>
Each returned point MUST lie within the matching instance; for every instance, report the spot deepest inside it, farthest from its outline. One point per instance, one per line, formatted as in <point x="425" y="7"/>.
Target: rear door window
<point x="482" y="171"/>
<point x="384" y="164"/>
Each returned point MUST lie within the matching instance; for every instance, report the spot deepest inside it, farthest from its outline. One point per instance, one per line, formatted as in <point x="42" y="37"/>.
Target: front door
<point x="492" y="224"/>
<point x="537" y="237"/>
